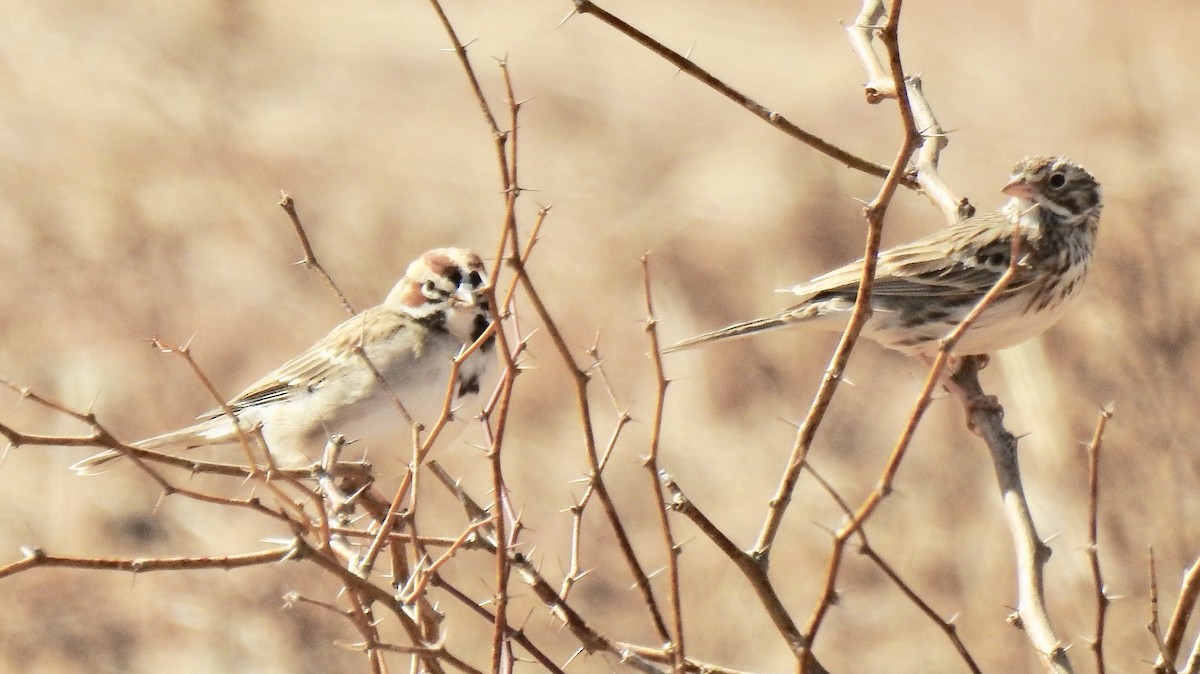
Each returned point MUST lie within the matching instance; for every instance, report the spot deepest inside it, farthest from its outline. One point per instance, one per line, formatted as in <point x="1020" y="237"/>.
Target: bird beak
<point x="466" y="298"/>
<point x="1018" y="187"/>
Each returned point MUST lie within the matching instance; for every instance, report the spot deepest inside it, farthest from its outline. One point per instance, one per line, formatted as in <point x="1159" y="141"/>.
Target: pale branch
<point x="1193" y="662"/>
<point x="1093" y="549"/>
<point x="764" y="113"/>
<point x="1188" y="594"/>
<point x="1031" y="552"/>
<point x="933" y="140"/>
<point x="881" y="85"/>
<point x="36" y="558"/>
<point x="667" y="657"/>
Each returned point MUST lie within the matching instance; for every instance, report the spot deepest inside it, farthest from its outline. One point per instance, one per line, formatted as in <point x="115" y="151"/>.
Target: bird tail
<point x="209" y="432"/>
<point x="736" y="330"/>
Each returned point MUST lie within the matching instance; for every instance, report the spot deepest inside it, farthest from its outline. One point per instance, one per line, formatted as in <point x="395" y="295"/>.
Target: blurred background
<point x="143" y="148"/>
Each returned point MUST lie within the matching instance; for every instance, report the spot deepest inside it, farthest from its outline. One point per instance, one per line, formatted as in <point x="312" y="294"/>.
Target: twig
<point x="310" y="258"/>
<point x="754" y="572"/>
<point x="880" y="85"/>
<point x="758" y="110"/>
<point x="1188" y="594"/>
<point x="580" y="380"/>
<point x="883" y="489"/>
<point x="591" y="640"/>
<point x="37" y="558"/>
<point x="946" y="626"/>
<point x="1166" y="663"/>
<point x="874" y="214"/>
<point x="1093" y="550"/>
<point x="651" y="463"/>
<point x="516" y="635"/>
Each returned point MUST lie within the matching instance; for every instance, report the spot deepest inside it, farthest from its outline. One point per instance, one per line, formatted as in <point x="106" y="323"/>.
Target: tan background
<point x="143" y="148"/>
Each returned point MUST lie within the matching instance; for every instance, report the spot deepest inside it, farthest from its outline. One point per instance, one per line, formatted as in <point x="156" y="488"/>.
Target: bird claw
<point x="983" y="404"/>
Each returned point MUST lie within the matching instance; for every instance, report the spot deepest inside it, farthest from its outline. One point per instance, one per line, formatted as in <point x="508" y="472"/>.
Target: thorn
<point x="566" y="18"/>
<point x="687" y="56"/>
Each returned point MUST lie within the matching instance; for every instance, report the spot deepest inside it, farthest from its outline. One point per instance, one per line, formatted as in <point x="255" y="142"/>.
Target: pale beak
<point x="466" y="298"/>
<point x="1019" y="188"/>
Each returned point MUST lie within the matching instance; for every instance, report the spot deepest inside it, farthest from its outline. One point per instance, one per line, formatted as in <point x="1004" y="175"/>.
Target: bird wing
<point x="312" y="368"/>
<point x="962" y="263"/>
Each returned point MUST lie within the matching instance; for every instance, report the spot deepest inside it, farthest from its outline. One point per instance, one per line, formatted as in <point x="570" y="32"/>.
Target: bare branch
<point x="37" y="558"/>
<point x="1188" y="594"/>
<point x="1031" y="552"/>
<point x="651" y="463"/>
<point x="758" y="110"/>
<point x="874" y="214"/>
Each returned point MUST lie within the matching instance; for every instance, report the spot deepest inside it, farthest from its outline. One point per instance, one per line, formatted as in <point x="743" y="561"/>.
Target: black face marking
<point x="468" y="385"/>
<point x="475" y="279"/>
<point x="454" y="276"/>
<point x="477" y="330"/>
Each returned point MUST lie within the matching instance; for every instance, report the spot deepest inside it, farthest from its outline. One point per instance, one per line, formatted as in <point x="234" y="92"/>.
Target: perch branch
<point x="1031" y="552"/>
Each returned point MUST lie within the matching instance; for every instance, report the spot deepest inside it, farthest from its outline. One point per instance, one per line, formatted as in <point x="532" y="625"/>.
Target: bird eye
<point x="1057" y="181"/>
<point x="429" y="286"/>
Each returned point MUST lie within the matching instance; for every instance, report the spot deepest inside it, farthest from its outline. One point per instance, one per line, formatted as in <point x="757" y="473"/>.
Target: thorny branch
<point x="310" y="258"/>
<point x="874" y="214"/>
<point x="757" y="109"/>
<point x="660" y="395"/>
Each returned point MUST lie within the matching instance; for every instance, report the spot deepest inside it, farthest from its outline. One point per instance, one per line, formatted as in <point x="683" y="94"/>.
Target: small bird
<point x="924" y="289"/>
<point x="409" y="340"/>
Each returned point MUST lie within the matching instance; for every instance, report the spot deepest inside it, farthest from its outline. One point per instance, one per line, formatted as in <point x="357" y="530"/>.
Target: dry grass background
<point x="142" y="150"/>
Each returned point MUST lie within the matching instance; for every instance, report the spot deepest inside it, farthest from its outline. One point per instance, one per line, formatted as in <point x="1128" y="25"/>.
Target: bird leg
<point x="972" y="401"/>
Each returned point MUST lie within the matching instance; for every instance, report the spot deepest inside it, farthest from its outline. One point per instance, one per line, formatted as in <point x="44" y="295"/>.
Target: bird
<point x="409" y="341"/>
<point x="925" y="288"/>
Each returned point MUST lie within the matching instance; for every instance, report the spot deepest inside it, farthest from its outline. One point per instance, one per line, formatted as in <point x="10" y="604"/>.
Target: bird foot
<point x="984" y="404"/>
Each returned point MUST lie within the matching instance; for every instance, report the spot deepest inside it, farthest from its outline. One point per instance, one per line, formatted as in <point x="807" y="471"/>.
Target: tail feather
<point x="736" y="330"/>
<point x="204" y="433"/>
<point x="90" y="465"/>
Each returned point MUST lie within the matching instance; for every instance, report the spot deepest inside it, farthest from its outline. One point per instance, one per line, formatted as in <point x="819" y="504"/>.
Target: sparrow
<point x="924" y="289"/>
<point x="408" y="341"/>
